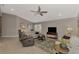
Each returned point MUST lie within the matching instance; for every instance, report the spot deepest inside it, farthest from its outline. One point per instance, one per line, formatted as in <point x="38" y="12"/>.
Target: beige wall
<point x="61" y="25"/>
<point x="0" y="20"/>
<point x="11" y="24"/>
<point x="0" y="25"/>
<point x="25" y="23"/>
<point x="0" y="11"/>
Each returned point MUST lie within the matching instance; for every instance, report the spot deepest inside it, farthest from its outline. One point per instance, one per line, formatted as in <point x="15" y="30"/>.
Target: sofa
<point x="25" y="39"/>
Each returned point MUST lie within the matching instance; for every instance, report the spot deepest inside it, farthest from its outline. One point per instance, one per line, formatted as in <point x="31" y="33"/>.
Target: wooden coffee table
<point x="60" y="50"/>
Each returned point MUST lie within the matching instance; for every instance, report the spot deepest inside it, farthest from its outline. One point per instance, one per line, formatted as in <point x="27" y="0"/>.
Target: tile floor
<point x="13" y="46"/>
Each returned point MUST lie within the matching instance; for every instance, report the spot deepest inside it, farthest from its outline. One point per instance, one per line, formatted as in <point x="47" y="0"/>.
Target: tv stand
<point x="52" y="35"/>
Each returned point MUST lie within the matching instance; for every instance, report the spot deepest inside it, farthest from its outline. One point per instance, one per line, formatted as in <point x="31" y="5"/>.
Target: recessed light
<point x="12" y="9"/>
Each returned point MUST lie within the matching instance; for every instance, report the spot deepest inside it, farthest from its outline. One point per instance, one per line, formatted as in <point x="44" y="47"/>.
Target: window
<point x="38" y="27"/>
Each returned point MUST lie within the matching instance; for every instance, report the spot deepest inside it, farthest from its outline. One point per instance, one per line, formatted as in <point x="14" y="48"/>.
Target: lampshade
<point x="23" y="26"/>
<point x="69" y="29"/>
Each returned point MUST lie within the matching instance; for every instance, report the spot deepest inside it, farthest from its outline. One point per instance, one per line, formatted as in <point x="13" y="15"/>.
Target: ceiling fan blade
<point x="39" y="9"/>
<point x="41" y="14"/>
<point x="33" y="11"/>
<point x="44" y="12"/>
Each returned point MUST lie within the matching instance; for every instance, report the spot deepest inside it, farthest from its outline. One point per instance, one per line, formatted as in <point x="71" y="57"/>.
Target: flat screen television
<point x="52" y="29"/>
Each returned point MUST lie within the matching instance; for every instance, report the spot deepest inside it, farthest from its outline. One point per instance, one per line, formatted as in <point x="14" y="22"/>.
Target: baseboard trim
<point x="9" y="36"/>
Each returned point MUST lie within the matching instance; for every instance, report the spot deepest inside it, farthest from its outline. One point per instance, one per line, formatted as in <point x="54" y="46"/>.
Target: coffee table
<point x="60" y="50"/>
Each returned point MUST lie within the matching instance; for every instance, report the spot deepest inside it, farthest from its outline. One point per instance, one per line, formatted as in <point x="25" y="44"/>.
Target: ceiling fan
<point x="39" y="11"/>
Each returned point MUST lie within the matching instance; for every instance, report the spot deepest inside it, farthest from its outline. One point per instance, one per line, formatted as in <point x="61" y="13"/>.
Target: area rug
<point x="46" y="45"/>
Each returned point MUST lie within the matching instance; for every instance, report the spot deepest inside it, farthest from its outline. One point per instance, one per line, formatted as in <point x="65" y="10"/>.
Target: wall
<point x="0" y="20"/>
<point x="9" y="25"/>
<point x="0" y="26"/>
<point x="0" y="11"/>
<point x="25" y="23"/>
<point x="61" y="25"/>
<point x="78" y="25"/>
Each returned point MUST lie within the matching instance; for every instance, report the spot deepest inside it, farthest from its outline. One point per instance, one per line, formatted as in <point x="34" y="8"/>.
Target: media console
<point x="52" y="35"/>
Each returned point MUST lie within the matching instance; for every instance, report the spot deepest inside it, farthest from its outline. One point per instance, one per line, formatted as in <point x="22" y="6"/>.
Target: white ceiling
<point x="55" y="11"/>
